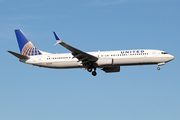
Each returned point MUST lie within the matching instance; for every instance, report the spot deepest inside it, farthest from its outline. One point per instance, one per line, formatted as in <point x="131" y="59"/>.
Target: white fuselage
<point x="119" y="58"/>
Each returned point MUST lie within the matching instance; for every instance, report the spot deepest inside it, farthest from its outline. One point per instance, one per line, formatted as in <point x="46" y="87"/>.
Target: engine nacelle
<point x="104" y="61"/>
<point x="111" y="69"/>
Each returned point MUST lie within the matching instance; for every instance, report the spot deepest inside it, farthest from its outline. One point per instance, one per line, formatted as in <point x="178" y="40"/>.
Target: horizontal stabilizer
<point x="18" y="55"/>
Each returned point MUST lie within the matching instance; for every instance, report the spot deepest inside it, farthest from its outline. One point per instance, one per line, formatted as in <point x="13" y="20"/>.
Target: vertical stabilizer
<point x="25" y="45"/>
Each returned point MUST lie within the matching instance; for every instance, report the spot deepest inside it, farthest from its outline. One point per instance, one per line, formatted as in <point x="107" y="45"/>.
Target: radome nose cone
<point x="172" y="57"/>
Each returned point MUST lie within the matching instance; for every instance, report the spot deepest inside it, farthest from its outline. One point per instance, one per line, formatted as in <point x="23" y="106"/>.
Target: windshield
<point x="164" y="53"/>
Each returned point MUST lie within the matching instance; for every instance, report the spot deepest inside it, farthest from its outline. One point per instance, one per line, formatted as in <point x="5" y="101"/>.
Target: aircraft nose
<point x="171" y="57"/>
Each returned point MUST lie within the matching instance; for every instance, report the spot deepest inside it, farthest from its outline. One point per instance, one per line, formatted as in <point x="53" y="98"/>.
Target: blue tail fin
<point x="25" y="45"/>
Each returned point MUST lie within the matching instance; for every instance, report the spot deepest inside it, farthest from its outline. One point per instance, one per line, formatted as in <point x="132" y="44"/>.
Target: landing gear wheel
<point x="89" y="69"/>
<point x="94" y="73"/>
<point x="158" y="68"/>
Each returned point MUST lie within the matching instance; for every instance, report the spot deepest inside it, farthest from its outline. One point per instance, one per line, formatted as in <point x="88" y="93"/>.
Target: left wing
<point x="80" y="55"/>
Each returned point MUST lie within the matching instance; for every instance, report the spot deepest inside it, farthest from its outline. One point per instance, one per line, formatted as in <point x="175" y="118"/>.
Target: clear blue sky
<point x="136" y="93"/>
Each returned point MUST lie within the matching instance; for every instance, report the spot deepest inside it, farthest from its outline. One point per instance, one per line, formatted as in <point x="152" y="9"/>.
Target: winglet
<point x="57" y="38"/>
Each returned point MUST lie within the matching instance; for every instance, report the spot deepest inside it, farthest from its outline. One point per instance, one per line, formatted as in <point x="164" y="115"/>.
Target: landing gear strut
<point x="94" y="73"/>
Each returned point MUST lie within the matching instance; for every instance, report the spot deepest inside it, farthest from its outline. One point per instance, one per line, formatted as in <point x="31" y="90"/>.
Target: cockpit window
<point x="164" y="53"/>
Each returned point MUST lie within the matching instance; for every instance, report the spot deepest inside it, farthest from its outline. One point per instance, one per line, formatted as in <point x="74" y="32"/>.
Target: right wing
<point x="80" y="55"/>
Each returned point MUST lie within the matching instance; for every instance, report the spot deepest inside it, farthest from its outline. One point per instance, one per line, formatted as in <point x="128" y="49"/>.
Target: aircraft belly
<point x="69" y="64"/>
<point x="131" y="61"/>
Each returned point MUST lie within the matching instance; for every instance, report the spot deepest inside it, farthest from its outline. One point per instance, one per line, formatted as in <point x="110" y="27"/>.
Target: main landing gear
<point x="94" y="73"/>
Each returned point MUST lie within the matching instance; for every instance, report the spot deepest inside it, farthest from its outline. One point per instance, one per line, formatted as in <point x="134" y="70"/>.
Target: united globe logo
<point x="30" y="50"/>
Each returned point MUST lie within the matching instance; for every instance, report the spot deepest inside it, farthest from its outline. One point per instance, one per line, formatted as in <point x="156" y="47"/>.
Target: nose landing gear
<point x="159" y="64"/>
<point x="158" y="68"/>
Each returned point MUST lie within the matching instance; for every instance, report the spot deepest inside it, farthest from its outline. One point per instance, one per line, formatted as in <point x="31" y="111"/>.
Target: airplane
<point x="108" y="61"/>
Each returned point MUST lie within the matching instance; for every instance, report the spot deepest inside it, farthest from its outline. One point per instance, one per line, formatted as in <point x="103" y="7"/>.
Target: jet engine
<point x="111" y="69"/>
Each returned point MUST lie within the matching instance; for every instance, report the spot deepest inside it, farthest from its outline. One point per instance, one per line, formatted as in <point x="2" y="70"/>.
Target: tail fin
<point x="25" y="45"/>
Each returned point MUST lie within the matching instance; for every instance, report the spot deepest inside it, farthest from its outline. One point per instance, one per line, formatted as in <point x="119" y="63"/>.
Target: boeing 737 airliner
<point x="109" y="61"/>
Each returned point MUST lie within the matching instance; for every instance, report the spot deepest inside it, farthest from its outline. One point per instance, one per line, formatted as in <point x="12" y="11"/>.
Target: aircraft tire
<point x="158" y="68"/>
<point x="89" y="69"/>
<point x="94" y="73"/>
